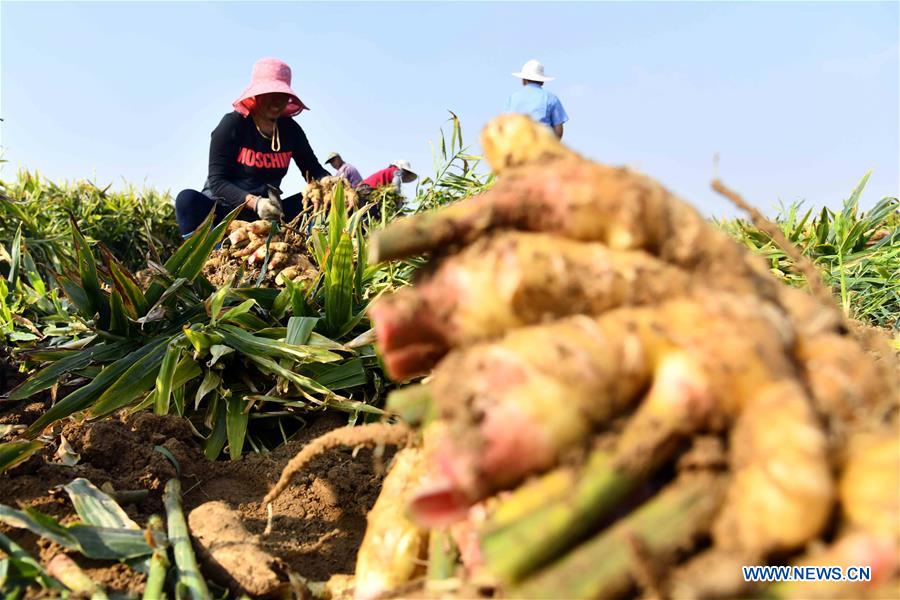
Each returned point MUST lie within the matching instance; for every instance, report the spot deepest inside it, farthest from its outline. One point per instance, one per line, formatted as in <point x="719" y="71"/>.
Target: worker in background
<point x="398" y="173"/>
<point x="344" y="169"/>
<point x="536" y="102"/>
<point x="394" y="176"/>
<point x="250" y="150"/>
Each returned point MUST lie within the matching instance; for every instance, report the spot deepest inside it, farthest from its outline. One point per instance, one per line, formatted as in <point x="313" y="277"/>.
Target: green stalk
<point x="426" y="231"/>
<point x="603" y="566"/>
<point x="544" y="518"/>
<point x="411" y="403"/>
<point x="443" y="555"/>
<point x="189" y="576"/>
<point x="159" y="566"/>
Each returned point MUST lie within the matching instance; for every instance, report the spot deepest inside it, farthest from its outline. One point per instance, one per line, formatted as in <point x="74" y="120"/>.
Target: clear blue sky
<point x="799" y="99"/>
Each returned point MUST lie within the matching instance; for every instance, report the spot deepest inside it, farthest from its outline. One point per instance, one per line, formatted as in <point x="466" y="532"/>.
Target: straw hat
<point x="269" y="76"/>
<point x="533" y="70"/>
<point x="408" y="174"/>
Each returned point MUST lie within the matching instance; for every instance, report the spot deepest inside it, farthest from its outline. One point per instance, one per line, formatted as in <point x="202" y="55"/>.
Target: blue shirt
<point x="536" y="102"/>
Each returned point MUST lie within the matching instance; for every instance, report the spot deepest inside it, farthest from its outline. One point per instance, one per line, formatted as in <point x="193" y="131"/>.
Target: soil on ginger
<point x="318" y="524"/>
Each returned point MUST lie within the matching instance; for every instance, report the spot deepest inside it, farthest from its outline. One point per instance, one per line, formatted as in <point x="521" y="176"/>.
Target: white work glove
<point x="268" y="209"/>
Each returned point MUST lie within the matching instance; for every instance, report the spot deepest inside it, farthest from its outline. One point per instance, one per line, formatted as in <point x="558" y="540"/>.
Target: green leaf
<point x="202" y="341"/>
<point x="39" y="524"/>
<point x="338" y="377"/>
<point x="127" y="286"/>
<point x="193" y="263"/>
<point x="118" y="320"/>
<point x="189" y="577"/>
<point x="337" y="216"/>
<point x="164" y="379"/>
<point x="82" y="398"/>
<point x="14" y="453"/>
<point x="90" y="282"/>
<point x="47" y="355"/>
<point x="97" y="508"/>
<point x="218" y="351"/>
<point x="249" y="344"/>
<point x="265" y="297"/>
<point x="339" y="286"/>
<point x="136" y="380"/>
<point x="77" y="296"/>
<point x="105" y="543"/>
<point x="217" y="438"/>
<point x="25" y="568"/>
<point x="211" y="381"/>
<point x="186" y="370"/>
<point x="178" y="400"/>
<point x="362" y="263"/>
<point x="48" y="376"/>
<point x="264" y="267"/>
<point x="108" y="543"/>
<point x="178" y="258"/>
<point x="236" y="421"/>
<point x="15" y="258"/>
<point x="248" y="321"/>
<point x="851" y="203"/>
<point x="215" y="303"/>
<point x="302" y="381"/>
<point x="353" y="406"/>
<point x="299" y="330"/>
<point x="236" y="311"/>
<point x="317" y="340"/>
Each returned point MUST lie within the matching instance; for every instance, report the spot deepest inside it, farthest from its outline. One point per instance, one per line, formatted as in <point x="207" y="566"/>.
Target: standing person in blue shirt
<point x="536" y="102"/>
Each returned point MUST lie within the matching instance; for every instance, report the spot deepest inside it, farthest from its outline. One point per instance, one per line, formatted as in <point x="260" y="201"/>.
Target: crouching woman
<point x="250" y="150"/>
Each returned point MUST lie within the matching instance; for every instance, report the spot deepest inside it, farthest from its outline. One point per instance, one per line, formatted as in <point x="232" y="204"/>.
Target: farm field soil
<point x="318" y="522"/>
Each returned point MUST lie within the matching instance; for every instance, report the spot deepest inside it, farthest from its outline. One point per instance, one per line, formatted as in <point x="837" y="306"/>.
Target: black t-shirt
<point x="241" y="160"/>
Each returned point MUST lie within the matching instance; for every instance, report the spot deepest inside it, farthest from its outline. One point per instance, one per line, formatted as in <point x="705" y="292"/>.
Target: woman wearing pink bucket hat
<point x="251" y="150"/>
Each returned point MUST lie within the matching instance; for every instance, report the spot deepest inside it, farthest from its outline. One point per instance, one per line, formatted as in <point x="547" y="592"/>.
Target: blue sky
<point x="798" y="99"/>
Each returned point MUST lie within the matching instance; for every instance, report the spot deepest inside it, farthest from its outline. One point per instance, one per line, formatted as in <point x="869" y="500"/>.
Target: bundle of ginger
<point x="248" y="245"/>
<point x="318" y="194"/>
<point x="622" y="400"/>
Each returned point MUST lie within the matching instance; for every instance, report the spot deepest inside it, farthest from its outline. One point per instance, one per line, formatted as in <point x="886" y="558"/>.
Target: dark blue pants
<point x="191" y="207"/>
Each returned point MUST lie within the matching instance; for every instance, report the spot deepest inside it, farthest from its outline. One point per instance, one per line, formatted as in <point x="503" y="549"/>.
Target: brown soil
<point x="318" y="522"/>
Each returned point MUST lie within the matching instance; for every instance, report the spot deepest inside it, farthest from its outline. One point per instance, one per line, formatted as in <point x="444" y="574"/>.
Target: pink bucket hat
<point x="270" y="75"/>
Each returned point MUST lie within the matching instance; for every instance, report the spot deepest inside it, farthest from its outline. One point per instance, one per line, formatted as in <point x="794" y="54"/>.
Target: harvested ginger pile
<point x="623" y="401"/>
<point x="245" y="252"/>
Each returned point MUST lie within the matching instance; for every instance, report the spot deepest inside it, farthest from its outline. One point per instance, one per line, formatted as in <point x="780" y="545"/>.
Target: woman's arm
<point x="304" y="156"/>
<point x="223" y="151"/>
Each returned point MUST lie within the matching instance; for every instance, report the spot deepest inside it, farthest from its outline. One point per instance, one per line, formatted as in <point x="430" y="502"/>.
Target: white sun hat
<point x="533" y="70"/>
<point x="403" y="165"/>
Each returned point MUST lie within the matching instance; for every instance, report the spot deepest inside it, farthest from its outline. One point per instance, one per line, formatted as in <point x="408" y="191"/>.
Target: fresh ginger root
<point x="250" y="243"/>
<point x="577" y="304"/>
<point x="319" y="194"/>
<point x="393" y="549"/>
<point x="782" y="492"/>
<point x="514" y="406"/>
<point x="870" y="483"/>
<point x="511" y="280"/>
